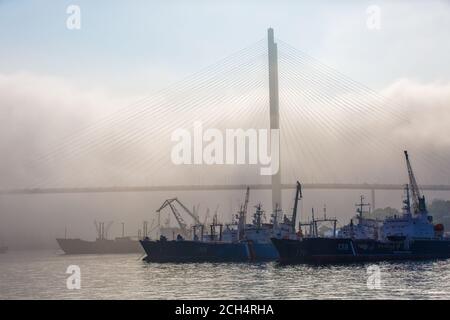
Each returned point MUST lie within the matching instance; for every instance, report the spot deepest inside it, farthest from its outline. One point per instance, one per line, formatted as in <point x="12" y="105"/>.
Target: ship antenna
<point x="360" y="206"/>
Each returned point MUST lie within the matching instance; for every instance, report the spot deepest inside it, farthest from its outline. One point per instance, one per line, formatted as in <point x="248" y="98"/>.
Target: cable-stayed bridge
<point x="333" y="130"/>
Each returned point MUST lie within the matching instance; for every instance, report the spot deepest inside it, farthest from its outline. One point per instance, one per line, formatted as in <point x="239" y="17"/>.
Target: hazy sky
<point x="135" y="47"/>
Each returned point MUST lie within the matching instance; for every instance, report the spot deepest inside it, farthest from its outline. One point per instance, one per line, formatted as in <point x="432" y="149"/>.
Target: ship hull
<point x="195" y="251"/>
<point x="78" y="246"/>
<point x="335" y="250"/>
<point x="263" y="251"/>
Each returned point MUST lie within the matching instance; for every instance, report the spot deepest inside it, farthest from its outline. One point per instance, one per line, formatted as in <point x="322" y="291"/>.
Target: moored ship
<point x="234" y="242"/>
<point x="220" y="244"/>
<point x="101" y="245"/>
<point x="411" y="236"/>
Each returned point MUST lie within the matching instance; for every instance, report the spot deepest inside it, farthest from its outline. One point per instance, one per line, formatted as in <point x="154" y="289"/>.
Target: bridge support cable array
<point x="334" y="131"/>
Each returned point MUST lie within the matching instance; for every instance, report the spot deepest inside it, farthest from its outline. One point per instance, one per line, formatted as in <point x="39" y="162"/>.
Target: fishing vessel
<point x="195" y="244"/>
<point x="409" y="236"/>
<point x="237" y="241"/>
<point x="101" y="245"/>
<point x="258" y="234"/>
<point x="181" y="250"/>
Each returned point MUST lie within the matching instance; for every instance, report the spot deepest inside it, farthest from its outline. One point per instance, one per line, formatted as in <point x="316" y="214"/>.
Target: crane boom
<point x="168" y="203"/>
<point x="171" y="204"/>
<point x="191" y="214"/>
<point x="178" y="217"/>
<point x="243" y="214"/>
<point x="247" y="196"/>
<point x="416" y="197"/>
<point x="298" y="196"/>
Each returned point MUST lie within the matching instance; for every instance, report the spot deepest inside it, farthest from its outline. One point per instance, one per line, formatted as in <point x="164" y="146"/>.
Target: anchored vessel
<point x="101" y="245"/>
<point x="411" y="236"/>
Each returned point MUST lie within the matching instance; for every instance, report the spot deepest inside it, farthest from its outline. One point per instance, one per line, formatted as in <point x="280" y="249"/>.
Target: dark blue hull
<point x="263" y="251"/>
<point x="335" y="250"/>
<point x="195" y="251"/>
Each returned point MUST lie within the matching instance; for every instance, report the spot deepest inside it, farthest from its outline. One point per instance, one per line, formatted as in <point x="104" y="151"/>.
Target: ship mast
<point x="361" y="205"/>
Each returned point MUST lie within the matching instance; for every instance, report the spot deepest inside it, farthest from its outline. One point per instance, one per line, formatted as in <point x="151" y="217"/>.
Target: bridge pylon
<point x="274" y="114"/>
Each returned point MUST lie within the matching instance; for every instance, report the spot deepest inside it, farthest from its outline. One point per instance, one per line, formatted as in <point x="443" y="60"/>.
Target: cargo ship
<point x="410" y="236"/>
<point x="101" y="245"/>
<point x="234" y="242"/>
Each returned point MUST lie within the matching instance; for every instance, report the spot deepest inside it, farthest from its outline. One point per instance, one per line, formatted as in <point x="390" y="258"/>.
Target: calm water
<point x="41" y="275"/>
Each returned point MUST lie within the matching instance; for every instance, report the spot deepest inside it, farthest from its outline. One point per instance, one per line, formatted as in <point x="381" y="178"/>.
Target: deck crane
<point x="418" y="200"/>
<point x="181" y="222"/>
<point x="298" y="196"/>
<point x="243" y="214"/>
<point x="171" y="204"/>
<point x="189" y="212"/>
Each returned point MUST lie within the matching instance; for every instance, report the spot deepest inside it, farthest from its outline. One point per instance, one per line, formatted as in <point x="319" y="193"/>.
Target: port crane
<point x="418" y="200"/>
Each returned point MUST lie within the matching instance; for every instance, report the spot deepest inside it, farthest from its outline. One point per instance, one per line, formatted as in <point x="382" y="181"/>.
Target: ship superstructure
<point x="414" y="223"/>
<point x="364" y="228"/>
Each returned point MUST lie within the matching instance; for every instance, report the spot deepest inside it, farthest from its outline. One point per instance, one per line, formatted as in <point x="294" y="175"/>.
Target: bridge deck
<point x="329" y="186"/>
